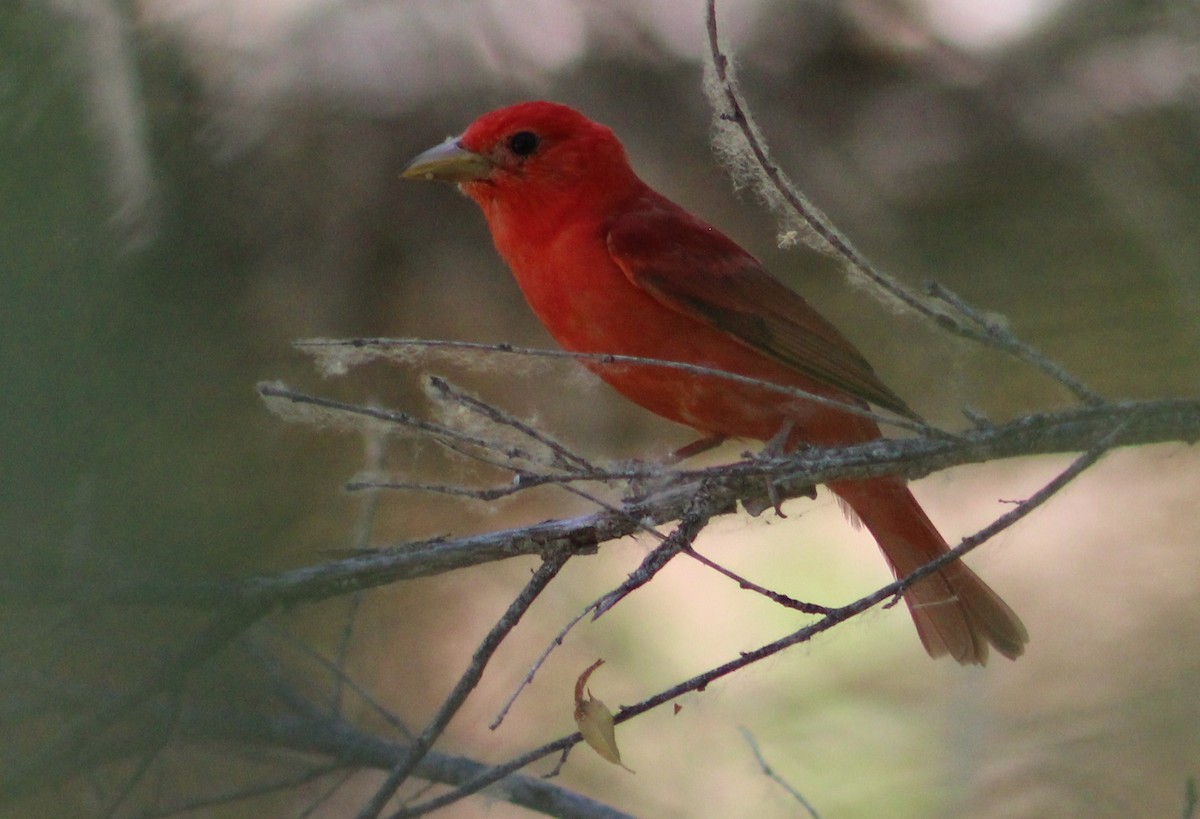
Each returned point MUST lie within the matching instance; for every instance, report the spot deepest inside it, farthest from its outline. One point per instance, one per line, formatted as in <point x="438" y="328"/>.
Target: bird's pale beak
<point x="448" y="162"/>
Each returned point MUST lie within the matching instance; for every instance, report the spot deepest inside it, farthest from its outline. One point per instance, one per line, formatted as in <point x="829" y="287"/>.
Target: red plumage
<point x="610" y="266"/>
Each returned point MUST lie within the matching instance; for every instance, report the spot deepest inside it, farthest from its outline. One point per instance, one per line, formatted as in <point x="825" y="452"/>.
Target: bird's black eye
<point x="523" y="143"/>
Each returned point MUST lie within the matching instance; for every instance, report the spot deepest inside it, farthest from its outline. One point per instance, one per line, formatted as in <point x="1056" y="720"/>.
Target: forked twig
<point x="564" y="458"/>
<point x="694" y="518"/>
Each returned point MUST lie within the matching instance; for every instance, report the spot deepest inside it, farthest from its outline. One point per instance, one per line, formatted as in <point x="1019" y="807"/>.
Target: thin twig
<point x="343" y="680"/>
<point x="693" y="520"/>
<point x="748" y="585"/>
<point x="564" y="457"/>
<point x="701" y="508"/>
<point x="1000" y="336"/>
<point x="522" y="481"/>
<point x="735" y="111"/>
<point x="537" y="665"/>
<point x="324" y="796"/>
<point x="774" y="777"/>
<point x="379" y="347"/>
<point x="364" y="528"/>
<point x="466" y="683"/>
<point x="402" y="419"/>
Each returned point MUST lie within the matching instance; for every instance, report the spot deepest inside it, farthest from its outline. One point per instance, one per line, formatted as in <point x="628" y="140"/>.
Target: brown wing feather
<point x="691" y="267"/>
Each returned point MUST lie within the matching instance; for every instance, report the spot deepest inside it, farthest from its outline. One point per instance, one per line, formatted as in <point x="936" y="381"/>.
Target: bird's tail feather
<point x="955" y="612"/>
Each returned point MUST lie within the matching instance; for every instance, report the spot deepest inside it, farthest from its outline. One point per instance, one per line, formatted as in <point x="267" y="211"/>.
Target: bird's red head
<point x="532" y="155"/>
<point x="530" y="131"/>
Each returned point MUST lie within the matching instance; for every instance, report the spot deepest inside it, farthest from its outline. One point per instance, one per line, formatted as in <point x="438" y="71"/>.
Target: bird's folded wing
<point x="691" y="267"/>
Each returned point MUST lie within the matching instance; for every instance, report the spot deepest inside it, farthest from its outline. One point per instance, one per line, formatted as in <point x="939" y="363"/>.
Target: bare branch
<point x="630" y="473"/>
<point x="564" y="458"/>
<point x="1000" y="336"/>
<point x="729" y="109"/>
<point x="279" y="397"/>
<point x="362" y="350"/>
<point x="538" y="663"/>
<point x="776" y="778"/>
<point x="1073" y="430"/>
<point x="345" y="746"/>
<point x="702" y="506"/>
<point x="774" y="596"/>
<point x="466" y="683"/>
<point x="694" y="518"/>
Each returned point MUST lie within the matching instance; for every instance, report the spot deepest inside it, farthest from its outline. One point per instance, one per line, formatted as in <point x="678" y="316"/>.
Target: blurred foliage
<point x="158" y="259"/>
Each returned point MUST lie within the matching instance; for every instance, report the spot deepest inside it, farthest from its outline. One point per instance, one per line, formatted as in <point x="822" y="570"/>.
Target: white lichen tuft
<point x="452" y="413"/>
<point x="787" y="239"/>
<point x="336" y="357"/>
<point x="289" y="406"/>
<point x="887" y="296"/>
<point x="461" y="411"/>
<point x="740" y="147"/>
<point x="759" y="174"/>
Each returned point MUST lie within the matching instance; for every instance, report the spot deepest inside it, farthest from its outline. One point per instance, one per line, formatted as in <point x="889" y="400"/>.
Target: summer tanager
<point x="611" y="266"/>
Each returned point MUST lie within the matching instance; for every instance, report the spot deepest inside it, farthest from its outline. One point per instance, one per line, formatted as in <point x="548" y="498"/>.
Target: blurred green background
<point x="188" y="187"/>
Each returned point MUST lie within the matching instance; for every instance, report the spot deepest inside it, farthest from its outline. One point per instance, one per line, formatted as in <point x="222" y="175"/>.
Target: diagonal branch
<point x="695" y="517"/>
<point x="466" y="683"/>
<point x="564" y="458"/>
<point x="731" y="110"/>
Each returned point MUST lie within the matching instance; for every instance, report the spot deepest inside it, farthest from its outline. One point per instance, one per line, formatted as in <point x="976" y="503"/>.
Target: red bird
<point x="611" y="266"/>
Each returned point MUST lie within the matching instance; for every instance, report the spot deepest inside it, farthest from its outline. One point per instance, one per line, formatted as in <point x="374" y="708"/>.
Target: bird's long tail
<point x="955" y="612"/>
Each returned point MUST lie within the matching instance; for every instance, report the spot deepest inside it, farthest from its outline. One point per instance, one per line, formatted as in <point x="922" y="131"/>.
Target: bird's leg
<point x="639" y="489"/>
<point x="695" y="448"/>
<point x="776" y="447"/>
